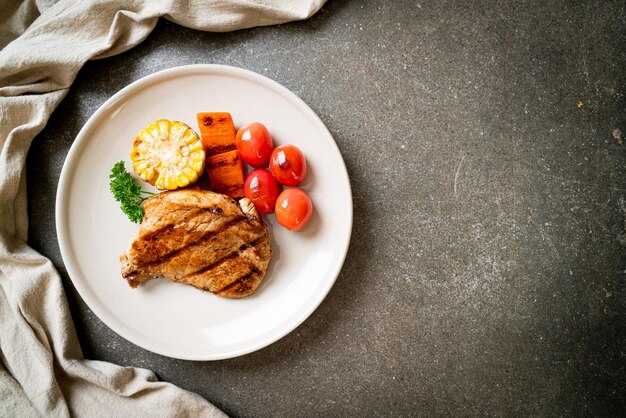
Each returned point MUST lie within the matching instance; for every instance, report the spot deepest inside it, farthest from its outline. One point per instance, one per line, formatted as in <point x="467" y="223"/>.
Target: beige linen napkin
<point x="42" y="369"/>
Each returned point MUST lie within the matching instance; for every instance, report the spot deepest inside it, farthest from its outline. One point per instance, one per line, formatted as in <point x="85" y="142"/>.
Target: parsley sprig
<point x="127" y="192"/>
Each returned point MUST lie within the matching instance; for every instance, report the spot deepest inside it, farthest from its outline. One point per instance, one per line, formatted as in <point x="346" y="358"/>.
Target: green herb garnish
<point x="127" y="192"/>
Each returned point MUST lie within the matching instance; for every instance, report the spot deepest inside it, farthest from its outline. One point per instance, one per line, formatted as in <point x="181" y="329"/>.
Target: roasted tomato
<point x="254" y="144"/>
<point x="293" y="209"/>
<point x="262" y="189"/>
<point x="288" y="165"/>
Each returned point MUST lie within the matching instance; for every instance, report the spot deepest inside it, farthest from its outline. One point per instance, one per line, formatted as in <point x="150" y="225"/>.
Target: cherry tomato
<point x="262" y="189"/>
<point x="288" y="165"/>
<point x="254" y="144"/>
<point x="293" y="209"/>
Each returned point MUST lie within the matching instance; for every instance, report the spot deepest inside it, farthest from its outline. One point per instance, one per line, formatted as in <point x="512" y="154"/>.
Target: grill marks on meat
<point x="199" y="238"/>
<point x="158" y="248"/>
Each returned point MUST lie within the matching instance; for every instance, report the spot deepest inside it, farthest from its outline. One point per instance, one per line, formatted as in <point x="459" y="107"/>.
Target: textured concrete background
<point x="486" y="270"/>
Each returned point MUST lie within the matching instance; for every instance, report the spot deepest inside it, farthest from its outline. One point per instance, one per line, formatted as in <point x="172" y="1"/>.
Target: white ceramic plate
<point x="177" y="320"/>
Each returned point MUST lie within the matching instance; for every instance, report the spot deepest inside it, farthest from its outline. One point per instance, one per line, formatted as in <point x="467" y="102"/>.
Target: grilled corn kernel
<point x="168" y="154"/>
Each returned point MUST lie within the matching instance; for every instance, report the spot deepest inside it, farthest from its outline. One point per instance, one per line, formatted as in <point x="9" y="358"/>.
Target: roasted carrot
<point x="226" y="173"/>
<point x="217" y="132"/>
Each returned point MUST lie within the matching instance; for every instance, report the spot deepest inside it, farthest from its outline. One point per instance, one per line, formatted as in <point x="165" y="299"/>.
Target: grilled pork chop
<point x="200" y="238"/>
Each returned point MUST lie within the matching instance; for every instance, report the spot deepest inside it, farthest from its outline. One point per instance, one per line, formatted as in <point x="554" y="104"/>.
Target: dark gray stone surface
<point x="486" y="270"/>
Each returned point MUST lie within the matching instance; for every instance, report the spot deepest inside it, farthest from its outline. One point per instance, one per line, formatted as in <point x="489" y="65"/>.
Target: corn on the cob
<point x="168" y="154"/>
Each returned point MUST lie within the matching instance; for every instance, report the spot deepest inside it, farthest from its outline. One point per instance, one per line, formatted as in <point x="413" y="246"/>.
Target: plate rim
<point x="69" y="164"/>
